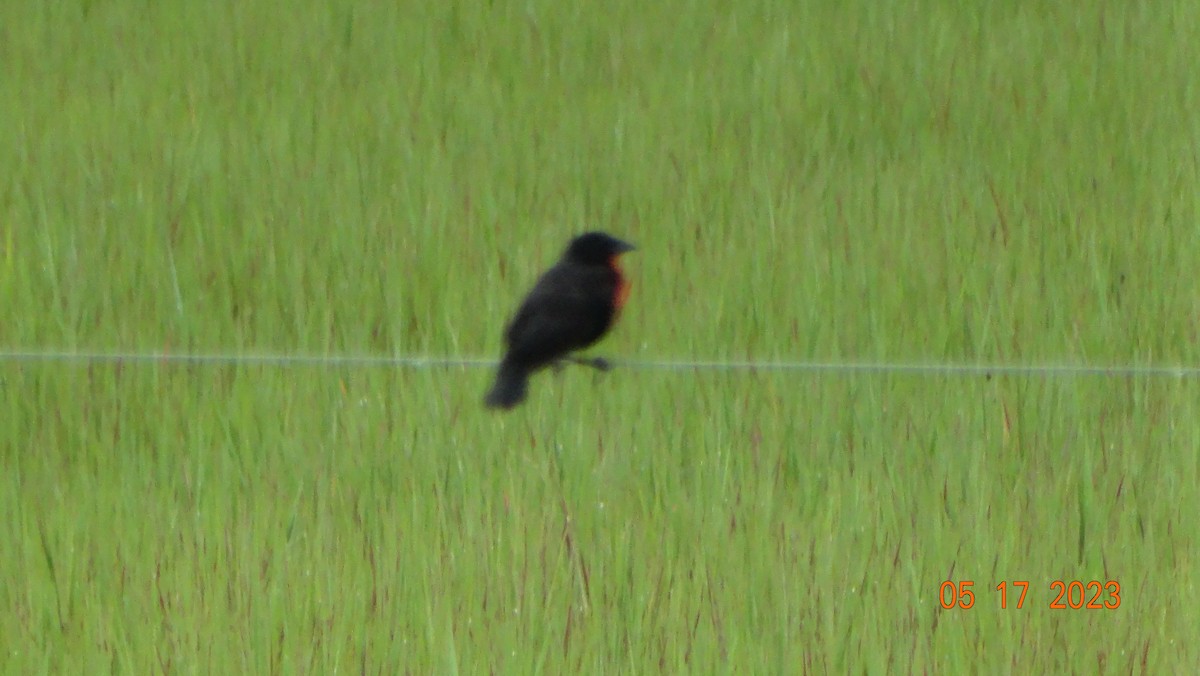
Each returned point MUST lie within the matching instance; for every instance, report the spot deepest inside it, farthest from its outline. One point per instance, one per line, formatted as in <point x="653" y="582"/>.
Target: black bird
<point x="571" y="307"/>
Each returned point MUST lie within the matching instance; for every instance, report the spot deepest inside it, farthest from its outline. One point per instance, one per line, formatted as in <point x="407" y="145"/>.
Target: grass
<point x="829" y="181"/>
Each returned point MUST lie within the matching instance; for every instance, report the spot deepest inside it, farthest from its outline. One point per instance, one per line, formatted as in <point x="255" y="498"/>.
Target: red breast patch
<point x="622" y="293"/>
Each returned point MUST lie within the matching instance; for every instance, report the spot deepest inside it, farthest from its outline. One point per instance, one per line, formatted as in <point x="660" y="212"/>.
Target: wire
<point x="436" y="361"/>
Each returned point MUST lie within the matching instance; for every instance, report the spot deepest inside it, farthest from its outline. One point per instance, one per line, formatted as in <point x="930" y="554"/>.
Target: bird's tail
<point x="512" y="381"/>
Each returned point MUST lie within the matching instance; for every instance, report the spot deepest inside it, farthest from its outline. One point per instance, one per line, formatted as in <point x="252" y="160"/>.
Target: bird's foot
<point x="598" y="363"/>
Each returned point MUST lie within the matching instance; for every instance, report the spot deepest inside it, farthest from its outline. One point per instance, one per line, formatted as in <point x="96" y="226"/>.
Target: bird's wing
<point x="568" y="309"/>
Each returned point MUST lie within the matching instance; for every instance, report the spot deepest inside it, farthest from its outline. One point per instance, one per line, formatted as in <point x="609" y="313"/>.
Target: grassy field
<point x="855" y="181"/>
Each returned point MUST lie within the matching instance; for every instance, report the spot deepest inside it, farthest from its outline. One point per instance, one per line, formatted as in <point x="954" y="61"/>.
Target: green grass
<point x="854" y="181"/>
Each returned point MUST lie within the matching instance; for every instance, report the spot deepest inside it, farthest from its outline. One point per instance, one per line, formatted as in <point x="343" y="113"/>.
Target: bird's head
<point x="596" y="248"/>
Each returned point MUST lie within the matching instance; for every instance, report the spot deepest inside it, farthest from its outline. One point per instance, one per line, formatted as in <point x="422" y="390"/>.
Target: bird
<point x="572" y="306"/>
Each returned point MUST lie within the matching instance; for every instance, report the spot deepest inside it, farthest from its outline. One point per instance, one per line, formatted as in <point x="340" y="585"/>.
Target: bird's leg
<point x="598" y="363"/>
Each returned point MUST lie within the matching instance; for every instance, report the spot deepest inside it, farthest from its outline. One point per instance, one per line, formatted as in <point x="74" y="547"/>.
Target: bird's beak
<point x="625" y="247"/>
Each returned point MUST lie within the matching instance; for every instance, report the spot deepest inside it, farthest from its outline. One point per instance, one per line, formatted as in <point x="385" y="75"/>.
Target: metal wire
<point x="443" y="361"/>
